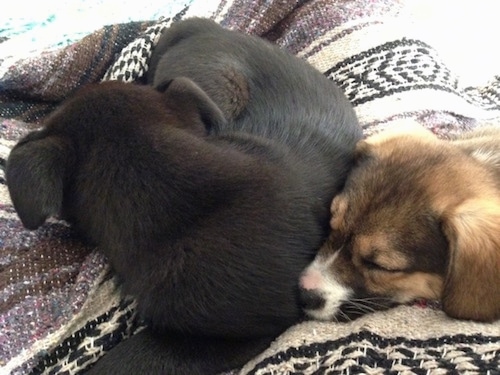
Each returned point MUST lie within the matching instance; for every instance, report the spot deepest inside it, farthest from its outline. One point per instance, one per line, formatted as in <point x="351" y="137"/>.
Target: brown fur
<point x="419" y="217"/>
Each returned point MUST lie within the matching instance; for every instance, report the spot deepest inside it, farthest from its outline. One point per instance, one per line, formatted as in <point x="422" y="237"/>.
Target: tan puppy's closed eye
<point x="418" y="218"/>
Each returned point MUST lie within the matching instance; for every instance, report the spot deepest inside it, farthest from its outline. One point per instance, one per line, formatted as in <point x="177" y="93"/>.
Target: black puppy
<point x="209" y="195"/>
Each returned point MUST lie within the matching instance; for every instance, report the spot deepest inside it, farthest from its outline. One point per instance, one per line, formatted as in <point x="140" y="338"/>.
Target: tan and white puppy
<point x="419" y="217"/>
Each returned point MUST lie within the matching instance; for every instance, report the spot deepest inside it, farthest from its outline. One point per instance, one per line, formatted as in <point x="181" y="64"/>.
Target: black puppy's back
<point x="262" y="90"/>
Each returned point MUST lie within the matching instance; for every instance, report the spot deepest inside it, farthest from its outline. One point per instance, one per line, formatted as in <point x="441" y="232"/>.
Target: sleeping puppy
<point x="208" y="193"/>
<point x="418" y="217"/>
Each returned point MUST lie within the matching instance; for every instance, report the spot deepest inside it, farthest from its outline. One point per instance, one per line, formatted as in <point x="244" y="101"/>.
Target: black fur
<point x="209" y="196"/>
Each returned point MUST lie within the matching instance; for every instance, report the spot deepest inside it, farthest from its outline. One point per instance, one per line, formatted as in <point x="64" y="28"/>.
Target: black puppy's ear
<point x="35" y="173"/>
<point x="193" y="106"/>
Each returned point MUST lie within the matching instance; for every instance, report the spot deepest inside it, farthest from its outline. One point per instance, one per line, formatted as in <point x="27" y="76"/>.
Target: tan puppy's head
<point x="418" y="218"/>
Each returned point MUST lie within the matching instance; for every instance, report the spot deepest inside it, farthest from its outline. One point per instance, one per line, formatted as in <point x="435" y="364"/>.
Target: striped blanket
<point x="60" y="309"/>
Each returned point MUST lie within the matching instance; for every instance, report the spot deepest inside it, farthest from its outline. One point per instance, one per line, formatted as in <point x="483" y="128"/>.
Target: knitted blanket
<point x="60" y="309"/>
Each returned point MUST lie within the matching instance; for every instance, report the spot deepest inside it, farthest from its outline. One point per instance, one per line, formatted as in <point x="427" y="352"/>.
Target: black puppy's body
<point x="262" y="89"/>
<point x="208" y="207"/>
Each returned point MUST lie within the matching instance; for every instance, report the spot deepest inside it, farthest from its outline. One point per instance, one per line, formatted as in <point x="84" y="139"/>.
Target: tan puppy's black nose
<point x="310" y="299"/>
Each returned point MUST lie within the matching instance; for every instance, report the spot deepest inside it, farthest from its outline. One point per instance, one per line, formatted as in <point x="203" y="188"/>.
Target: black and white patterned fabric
<point x="369" y="353"/>
<point x="132" y="63"/>
<point x="86" y="345"/>
<point x="404" y="65"/>
<point x="408" y="340"/>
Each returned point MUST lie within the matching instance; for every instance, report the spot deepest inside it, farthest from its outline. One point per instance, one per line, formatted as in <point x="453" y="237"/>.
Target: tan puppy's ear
<point x="472" y="285"/>
<point x="362" y="151"/>
<point x="338" y="210"/>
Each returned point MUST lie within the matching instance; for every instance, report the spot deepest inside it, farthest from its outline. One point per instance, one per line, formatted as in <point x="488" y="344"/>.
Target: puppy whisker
<point x="345" y="317"/>
<point x="380" y="302"/>
<point x="359" y="308"/>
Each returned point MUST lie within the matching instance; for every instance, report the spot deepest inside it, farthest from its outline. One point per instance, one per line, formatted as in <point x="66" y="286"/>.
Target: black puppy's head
<point x="41" y="165"/>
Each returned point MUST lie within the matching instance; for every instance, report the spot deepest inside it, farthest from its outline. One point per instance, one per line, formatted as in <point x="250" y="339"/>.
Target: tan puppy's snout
<point x="310" y="295"/>
<point x="320" y="294"/>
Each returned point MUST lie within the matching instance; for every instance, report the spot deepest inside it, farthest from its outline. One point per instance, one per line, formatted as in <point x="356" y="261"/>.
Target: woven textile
<point x="60" y="309"/>
<point x="405" y="340"/>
